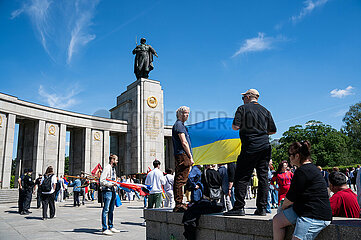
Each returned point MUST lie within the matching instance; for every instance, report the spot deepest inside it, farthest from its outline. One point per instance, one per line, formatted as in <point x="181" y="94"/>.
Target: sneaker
<point x="24" y="213"/>
<point x="260" y="212"/>
<point x="114" y="230"/>
<point x="28" y="211"/>
<point x="235" y="212"/>
<point x="107" y="232"/>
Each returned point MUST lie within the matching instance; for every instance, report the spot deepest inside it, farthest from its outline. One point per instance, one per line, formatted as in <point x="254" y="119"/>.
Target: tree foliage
<point x="66" y="167"/>
<point x="352" y="128"/>
<point x="329" y="146"/>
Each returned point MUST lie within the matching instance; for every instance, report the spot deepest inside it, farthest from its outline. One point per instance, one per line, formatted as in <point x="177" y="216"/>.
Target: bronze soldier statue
<point x="143" y="63"/>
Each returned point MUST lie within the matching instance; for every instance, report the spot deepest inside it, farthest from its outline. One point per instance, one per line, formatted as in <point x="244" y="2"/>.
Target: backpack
<point x="46" y="185"/>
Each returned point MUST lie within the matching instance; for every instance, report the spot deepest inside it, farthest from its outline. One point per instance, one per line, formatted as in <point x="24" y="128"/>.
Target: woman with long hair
<point x="48" y="185"/>
<point x="306" y="204"/>
<point x="283" y="178"/>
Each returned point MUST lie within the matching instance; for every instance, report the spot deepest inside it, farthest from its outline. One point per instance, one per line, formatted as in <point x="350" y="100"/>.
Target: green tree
<point x="66" y="165"/>
<point x="329" y="146"/>
<point x="352" y="128"/>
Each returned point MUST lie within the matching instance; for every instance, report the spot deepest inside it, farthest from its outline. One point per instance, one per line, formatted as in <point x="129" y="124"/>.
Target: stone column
<point x="39" y="144"/>
<point x="96" y="148"/>
<point x="8" y="151"/>
<point x="3" y="121"/>
<point x="87" y="149"/>
<point x="142" y="107"/>
<point x="19" y="155"/>
<point x="106" y="148"/>
<point x="61" y="156"/>
<point x="51" y="146"/>
<point x="152" y="124"/>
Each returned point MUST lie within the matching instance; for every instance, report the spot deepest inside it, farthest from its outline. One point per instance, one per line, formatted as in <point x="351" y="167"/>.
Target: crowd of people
<point x="302" y="193"/>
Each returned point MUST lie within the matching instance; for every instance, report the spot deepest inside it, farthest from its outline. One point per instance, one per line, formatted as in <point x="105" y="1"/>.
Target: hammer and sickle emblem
<point x="52" y="130"/>
<point x="152" y="102"/>
<point x="97" y="136"/>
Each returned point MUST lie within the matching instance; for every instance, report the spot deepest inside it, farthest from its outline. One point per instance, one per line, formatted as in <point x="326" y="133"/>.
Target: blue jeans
<point x="269" y="200"/>
<point x="109" y="201"/>
<point x="306" y="228"/>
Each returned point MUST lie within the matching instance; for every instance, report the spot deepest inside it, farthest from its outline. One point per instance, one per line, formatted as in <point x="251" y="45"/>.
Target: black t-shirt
<point x="27" y="183"/>
<point x="255" y="122"/>
<point x="179" y="127"/>
<point x="214" y="180"/>
<point x="309" y="193"/>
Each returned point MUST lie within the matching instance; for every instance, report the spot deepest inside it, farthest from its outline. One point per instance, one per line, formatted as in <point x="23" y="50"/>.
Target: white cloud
<point x="16" y="13"/>
<point x="257" y="44"/>
<point x="62" y="26"/>
<point x="341" y="93"/>
<point x="57" y="100"/>
<point x="79" y="33"/>
<point x="309" y="6"/>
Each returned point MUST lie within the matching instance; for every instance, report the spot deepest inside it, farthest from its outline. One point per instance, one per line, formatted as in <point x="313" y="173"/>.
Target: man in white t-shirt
<point x="109" y="195"/>
<point x="168" y="188"/>
<point x="156" y="179"/>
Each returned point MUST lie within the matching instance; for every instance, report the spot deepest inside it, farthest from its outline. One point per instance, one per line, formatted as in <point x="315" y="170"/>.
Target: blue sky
<point x="304" y="57"/>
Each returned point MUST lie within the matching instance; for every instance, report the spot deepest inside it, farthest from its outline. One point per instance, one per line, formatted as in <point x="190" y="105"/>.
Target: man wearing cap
<point x="21" y="192"/>
<point x="254" y="123"/>
<point x="27" y="186"/>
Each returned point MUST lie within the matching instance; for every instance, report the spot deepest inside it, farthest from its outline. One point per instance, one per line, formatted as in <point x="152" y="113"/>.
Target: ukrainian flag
<point x="214" y="141"/>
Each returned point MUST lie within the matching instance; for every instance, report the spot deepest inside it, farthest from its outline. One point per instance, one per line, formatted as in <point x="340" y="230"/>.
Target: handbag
<point x="118" y="202"/>
<point x="215" y="193"/>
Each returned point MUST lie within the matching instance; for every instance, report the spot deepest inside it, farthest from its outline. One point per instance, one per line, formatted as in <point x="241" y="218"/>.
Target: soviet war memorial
<point x="180" y="120"/>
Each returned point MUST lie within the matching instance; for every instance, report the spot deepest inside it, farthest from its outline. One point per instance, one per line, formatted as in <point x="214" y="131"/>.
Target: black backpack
<point x="46" y="185"/>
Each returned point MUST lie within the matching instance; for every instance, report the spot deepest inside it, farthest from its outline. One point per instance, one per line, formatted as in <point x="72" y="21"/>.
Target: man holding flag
<point x="254" y="123"/>
<point x="109" y="195"/>
<point x="183" y="156"/>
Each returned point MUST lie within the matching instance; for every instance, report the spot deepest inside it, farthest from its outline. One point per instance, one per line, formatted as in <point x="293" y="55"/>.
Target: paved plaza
<point x="81" y="222"/>
<point x="71" y="223"/>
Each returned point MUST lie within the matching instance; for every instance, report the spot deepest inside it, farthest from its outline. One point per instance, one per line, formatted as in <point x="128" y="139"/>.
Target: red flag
<point x="95" y="170"/>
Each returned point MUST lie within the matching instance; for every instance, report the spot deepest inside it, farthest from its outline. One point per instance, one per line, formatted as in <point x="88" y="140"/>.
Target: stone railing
<point x="164" y="224"/>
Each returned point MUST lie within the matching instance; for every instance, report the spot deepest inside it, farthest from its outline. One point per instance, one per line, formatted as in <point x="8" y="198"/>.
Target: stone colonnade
<point x="135" y="132"/>
<point x="42" y="139"/>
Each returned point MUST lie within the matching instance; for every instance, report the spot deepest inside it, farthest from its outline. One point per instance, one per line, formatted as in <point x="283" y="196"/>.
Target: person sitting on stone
<point x="344" y="201"/>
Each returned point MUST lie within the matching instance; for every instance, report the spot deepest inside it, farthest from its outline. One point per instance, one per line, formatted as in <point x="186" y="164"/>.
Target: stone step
<point x="9" y="195"/>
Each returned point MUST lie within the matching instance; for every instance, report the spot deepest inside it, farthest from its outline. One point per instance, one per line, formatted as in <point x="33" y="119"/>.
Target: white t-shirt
<point x="169" y="181"/>
<point x="61" y="181"/>
<point x="156" y="179"/>
<point x="53" y="181"/>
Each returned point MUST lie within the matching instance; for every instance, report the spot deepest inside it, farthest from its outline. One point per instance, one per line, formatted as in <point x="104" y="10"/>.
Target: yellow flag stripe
<point x="223" y="151"/>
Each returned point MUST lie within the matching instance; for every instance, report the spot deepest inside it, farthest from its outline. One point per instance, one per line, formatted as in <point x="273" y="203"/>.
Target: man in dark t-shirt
<point x="254" y="123"/>
<point x="344" y="200"/>
<point x="183" y="157"/>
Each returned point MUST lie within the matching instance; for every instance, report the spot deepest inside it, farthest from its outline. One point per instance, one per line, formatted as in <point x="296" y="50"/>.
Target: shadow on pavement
<point x="135" y="207"/>
<point x="133" y="223"/>
<point x="86" y="230"/>
<point x="36" y="218"/>
<point x="89" y="230"/>
<point x="12" y="212"/>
